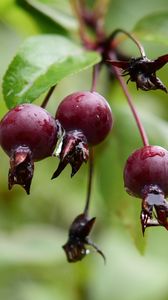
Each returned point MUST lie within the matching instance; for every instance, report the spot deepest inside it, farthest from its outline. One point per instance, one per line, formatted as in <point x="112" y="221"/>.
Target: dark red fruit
<point x="146" y="177"/>
<point x="28" y="133"/>
<point x="146" y="166"/>
<point x="31" y="126"/>
<point x="87" y="119"/>
<point x="88" y="112"/>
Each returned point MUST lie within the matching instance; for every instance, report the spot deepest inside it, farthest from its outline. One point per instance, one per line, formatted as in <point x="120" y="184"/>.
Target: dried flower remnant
<point x="143" y="71"/>
<point x="73" y="150"/>
<point x="78" y="239"/>
<point x="21" y="168"/>
<point x="154" y="208"/>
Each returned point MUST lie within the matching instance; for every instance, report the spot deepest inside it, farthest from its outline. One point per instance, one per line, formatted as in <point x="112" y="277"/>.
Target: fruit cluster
<point x="28" y="133"/>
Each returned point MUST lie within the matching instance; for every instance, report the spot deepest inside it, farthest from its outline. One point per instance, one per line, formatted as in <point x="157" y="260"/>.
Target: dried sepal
<point x="154" y="210"/>
<point x="143" y="71"/>
<point x="78" y="239"/>
<point x="73" y="150"/>
<point x="21" y="168"/>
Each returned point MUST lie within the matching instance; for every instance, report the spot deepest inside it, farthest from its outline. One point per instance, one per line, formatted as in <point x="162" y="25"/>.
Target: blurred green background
<point x="33" y="228"/>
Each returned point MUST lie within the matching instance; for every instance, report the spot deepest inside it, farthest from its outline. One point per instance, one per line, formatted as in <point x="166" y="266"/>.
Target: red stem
<point x="132" y="107"/>
<point x="132" y="37"/>
<point x="96" y="70"/>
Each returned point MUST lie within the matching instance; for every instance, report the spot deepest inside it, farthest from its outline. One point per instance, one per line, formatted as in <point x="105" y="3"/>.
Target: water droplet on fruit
<point x="151" y="153"/>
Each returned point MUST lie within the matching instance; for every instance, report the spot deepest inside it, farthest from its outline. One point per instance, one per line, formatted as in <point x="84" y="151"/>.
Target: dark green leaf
<point x="42" y="62"/>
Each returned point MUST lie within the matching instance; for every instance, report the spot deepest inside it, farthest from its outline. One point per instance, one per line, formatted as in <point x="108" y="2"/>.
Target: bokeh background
<point x="34" y="228"/>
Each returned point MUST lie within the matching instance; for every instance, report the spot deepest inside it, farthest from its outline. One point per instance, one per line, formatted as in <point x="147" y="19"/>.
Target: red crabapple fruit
<point x="87" y="120"/>
<point x="28" y="133"/>
<point x="146" y="177"/>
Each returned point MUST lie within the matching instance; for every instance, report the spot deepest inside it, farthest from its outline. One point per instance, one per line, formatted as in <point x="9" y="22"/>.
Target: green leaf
<point x="153" y="27"/>
<point x="58" y="11"/>
<point x="42" y="62"/>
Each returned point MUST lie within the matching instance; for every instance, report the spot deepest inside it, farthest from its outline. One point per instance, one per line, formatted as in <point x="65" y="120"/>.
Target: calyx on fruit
<point x="146" y="177"/>
<point x="21" y="168"/>
<point x="28" y="133"/>
<point x="87" y="120"/>
<point x="74" y="151"/>
<point x="154" y="208"/>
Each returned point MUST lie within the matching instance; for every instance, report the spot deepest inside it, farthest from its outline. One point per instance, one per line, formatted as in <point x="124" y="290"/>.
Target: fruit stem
<point x="99" y="13"/>
<point x="96" y="69"/>
<point x="78" y="7"/>
<point x="100" y="8"/>
<point x="132" y="107"/>
<point x="90" y="179"/>
<point x="47" y="97"/>
<point x="90" y="18"/>
<point x="132" y="37"/>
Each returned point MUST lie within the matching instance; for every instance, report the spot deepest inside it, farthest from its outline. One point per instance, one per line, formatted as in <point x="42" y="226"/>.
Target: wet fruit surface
<point x="88" y="112"/>
<point x="146" y="166"/>
<point x="31" y="126"/>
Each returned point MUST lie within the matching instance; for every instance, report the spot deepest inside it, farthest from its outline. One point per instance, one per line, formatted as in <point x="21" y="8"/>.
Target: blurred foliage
<point x="33" y="228"/>
<point x="154" y="27"/>
<point x="60" y="12"/>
